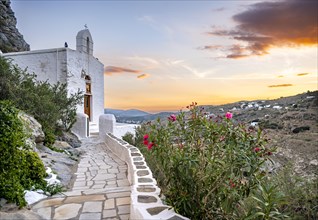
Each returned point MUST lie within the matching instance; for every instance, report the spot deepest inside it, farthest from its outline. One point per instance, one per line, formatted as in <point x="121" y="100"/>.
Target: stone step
<point x="94" y="134"/>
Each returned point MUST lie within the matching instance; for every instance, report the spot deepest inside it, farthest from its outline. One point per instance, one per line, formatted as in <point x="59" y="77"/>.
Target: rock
<point x="2" y="202"/>
<point x="62" y="145"/>
<point x="20" y="214"/>
<point x="32" y="196"/>
<point x="300" y="129"/>
<point x="61" y="163"/>
<point x="71" y="139"/>
<point x="9" y="207"/>
<point x="10" y="38"/>
<point x="33" y="127"/>
<point x="270" y="125"/>
<point x="309" y="116"/>
<point x="314" y="162"/>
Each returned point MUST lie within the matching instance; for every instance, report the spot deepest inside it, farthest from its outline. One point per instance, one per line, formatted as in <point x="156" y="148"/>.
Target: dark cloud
<point x="273" y="24"/>
<point x="109" y="70"/>
<point x="302" y="74"/>
<point x="280" y="76"/>
<point x="210" y="47"/>
<point x="280" y="85"/>
<point x="236" y="52"/>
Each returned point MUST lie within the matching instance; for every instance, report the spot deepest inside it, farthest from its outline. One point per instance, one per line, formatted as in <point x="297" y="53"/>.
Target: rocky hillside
<point x="10" y="38"/>
<point x="290" y="124"/>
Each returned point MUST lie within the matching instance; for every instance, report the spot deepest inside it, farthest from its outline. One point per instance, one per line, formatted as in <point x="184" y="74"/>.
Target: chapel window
<point x="87" y="44"/>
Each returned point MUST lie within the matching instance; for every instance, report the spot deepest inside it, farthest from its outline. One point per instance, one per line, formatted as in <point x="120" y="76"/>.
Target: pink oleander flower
<point x="146" y="142"/>
<point x="228" y="115"/>
<point x="257" y="149"/>
<point x="150" y="145"/>
<point x="172" y="118"/>
<point x="146" y="136"/>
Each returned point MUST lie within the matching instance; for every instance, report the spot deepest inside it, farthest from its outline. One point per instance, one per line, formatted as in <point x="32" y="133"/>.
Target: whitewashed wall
<point x="65" y="65"/>
<point x="46" y="64"/>
<point x="78" y="61"/>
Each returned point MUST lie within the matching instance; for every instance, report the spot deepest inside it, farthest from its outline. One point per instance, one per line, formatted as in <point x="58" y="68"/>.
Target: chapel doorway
<point x="88" y="97"/>
<point x="87" y="105"/>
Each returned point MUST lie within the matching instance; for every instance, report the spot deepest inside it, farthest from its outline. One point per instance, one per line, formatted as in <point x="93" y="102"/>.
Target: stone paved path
<point x="101" y="189"/>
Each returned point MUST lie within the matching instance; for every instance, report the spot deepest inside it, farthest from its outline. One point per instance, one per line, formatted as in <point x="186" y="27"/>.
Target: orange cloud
<point x="280" y="85"/>
<point x="302" y="74"/>
<point x="110" y="70"/>
<point x="273" y="24"/>
<point x="143" y="76"/>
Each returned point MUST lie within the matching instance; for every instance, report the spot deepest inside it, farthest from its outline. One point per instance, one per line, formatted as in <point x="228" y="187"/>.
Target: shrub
<point x="20" y="168"/>
<point x="129" y="138"/>
<point x="205" y="166"/>
<point x="263" y="203"/>
<point x="36" y="170"/>
<point x="301" y="193"/>
<point x="284" y="192"/>
<point x="49" y="104"/>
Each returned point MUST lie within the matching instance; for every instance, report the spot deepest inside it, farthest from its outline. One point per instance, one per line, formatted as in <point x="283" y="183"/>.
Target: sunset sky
<point x="162" y="55"/>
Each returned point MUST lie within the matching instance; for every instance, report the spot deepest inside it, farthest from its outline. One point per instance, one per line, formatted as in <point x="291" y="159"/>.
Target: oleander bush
<point x="205" y="166"/>
<point x="214" y="168"/>
<point x="20" y="168"/>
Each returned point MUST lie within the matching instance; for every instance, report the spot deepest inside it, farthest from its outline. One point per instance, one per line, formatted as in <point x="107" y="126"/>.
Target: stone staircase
<point x="93" y="129"/>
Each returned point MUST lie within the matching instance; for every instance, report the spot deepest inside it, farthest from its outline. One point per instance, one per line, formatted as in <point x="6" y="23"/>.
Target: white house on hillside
<point x="79" y="69"/>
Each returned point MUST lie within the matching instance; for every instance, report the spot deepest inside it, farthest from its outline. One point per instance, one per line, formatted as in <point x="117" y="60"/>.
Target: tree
<point x="49" y="104"/>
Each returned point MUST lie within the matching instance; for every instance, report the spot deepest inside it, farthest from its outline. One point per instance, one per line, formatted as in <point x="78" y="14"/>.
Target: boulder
<point x="71" y="139"/>
<point x="62" y="145"/>
<point x="300" y="129"/>
<point x="64" y="165"/>
<point x="33" y="127"/>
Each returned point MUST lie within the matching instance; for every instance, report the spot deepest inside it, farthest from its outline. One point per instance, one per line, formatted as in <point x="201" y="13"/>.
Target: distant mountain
<point x="126" y="113"/>
<point x="149" y="117"/>
<point x="135" y="116"/>
<point x="112" y="111"/>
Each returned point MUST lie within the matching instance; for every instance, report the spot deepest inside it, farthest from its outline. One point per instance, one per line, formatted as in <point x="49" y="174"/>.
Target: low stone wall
<point x="81" y="126"/>
<point x="145" y="201"/>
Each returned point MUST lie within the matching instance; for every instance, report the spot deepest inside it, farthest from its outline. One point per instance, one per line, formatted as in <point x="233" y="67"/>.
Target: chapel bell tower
<point x="84" y="42"/>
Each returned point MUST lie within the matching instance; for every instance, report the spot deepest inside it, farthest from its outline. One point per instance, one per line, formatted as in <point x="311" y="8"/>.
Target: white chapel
<point x="79" y="69"/>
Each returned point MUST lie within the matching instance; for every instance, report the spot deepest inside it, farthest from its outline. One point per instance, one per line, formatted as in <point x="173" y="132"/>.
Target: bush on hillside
<point x="48" y="104"/>
<point x="205" y="166"/>
<point x="129" y="138"/>
<point x="20" y="168"/>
